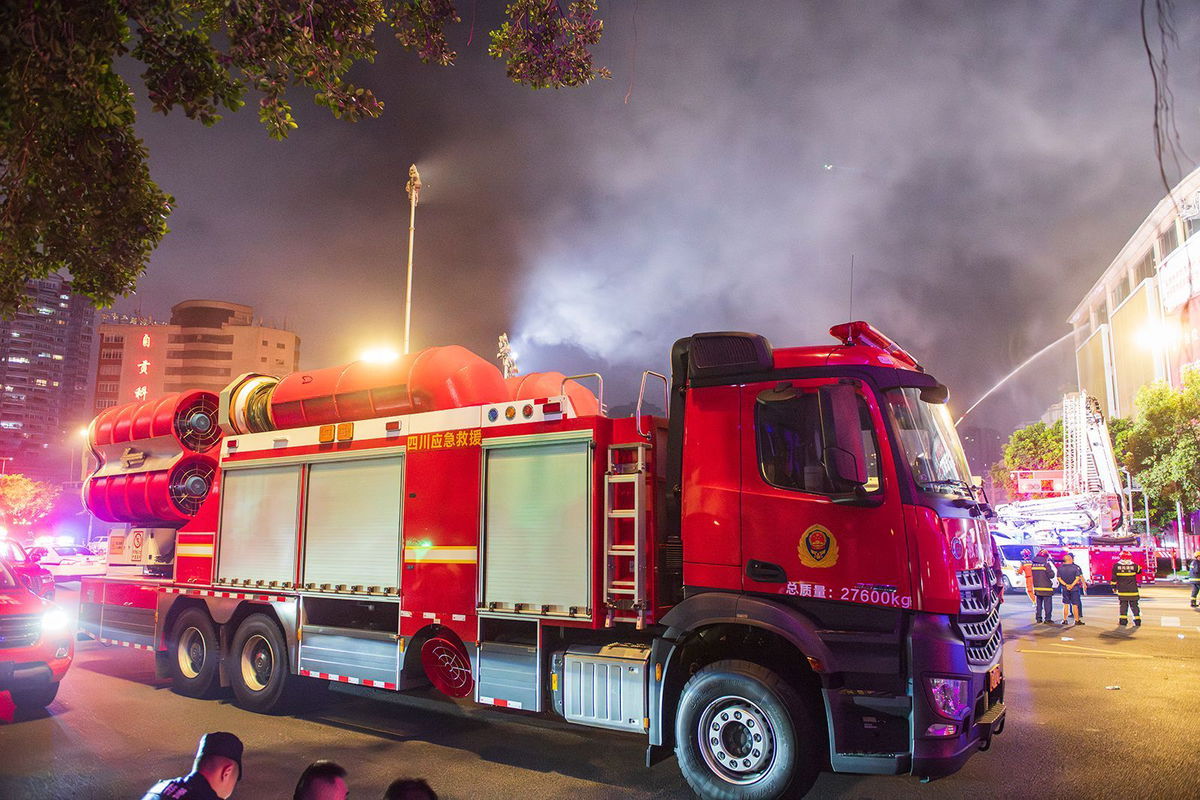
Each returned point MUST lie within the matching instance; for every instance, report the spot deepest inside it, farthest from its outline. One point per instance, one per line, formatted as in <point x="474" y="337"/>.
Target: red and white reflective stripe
<point x="134" y="645"/>
<point x="495" y="701"/>
<point x="308" y="673"/>
<point x="270" y="598"/>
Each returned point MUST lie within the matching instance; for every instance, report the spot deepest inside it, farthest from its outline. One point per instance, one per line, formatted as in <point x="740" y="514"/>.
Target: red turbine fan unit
<point x="195" y="422"/>
<point x="182" y="421"/>
<point x="153" y="465"/>
<point x="169" y="496"/>
<point x="191" y="481"/>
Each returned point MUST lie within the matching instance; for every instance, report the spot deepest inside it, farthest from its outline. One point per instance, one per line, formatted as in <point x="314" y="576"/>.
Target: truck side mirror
<point x="845" y="457"/>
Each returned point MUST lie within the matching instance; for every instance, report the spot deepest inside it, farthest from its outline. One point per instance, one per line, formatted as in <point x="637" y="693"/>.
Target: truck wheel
<point x="34" y="699"/>
<point x="194" y="653"/>
<point x="742" y="732"/>
<point x="1008" y="587"/>
<point x="258" y="667"/>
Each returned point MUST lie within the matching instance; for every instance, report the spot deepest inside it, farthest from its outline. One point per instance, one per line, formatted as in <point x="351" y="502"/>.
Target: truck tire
<point x="1008" y="587"/>
<point x="742" y="732"/>
<point x="194" y="654"/>
<point x="34" y="699"/>
<point x="258" y="667"/>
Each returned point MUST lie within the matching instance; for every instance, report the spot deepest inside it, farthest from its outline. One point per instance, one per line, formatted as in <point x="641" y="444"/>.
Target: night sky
<point x="989" y="160"/>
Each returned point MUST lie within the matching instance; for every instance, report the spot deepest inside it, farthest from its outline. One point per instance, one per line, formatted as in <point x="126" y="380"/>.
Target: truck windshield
<point x="930" y="442"/>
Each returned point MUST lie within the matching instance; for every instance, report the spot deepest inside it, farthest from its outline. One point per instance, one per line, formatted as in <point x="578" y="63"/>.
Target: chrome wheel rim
<point x="736" y="740"/>
<point x="257" y="662"/>
<point x="191" y="653"/>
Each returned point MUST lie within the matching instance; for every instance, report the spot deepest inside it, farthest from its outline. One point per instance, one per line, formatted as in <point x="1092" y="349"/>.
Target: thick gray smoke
<point x="982" y="163"/>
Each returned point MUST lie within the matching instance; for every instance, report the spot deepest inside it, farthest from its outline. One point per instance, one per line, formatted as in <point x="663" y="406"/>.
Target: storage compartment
<point x="353" y="640"/>
<point x="352" y="527"/>
<point x="602" y="685"/>
<point x="367" y="615"/>
<point x="259" y="509"/>
<point x="537" y="529"/>
<point x="368" y="657"/>
<point x="509" y="667"/>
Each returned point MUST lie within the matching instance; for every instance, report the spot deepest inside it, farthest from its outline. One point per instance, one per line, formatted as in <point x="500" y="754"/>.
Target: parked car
<point x="26" y="567"/>
<point x="99" y="546"/>
<point x="37" y="643"/>
<point x="1010" y="567"/>
<point x="67" y="561"/>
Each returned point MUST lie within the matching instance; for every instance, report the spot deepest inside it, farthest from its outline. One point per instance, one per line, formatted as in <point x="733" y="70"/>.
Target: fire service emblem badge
<point x="817" y="547"/>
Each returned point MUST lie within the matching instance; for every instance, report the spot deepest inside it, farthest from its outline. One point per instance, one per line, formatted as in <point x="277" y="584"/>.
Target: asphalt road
<point x="115" y="728"/>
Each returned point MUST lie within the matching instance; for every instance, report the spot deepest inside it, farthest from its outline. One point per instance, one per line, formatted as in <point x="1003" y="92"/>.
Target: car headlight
<point x="949" y="696"/>
<point x="55" y="620"/>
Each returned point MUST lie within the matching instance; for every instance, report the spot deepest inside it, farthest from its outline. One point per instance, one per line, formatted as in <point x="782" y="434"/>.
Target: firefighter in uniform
<point x="1043" y="587"/>
<point x="1124" y="577"/>
<point x="1027" y="573"/>
<point x="215" y="772"/>
<point x="1194" y="576"/>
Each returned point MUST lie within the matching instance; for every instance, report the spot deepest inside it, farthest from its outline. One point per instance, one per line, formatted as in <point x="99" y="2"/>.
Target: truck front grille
<point x="20" y="630"/>
<point x="979" y="615"/>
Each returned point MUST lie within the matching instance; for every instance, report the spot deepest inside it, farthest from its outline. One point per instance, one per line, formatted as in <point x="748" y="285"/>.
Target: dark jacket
<point x="1194" y="571"/>
<point x="1124" y="577"/>
<point x="189" y="787"/>
<point x="1043" y="575"/>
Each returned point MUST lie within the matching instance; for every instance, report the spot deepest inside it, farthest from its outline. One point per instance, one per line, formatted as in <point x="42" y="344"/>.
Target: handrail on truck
<point x="642" y="394"/>
<point x="562" y="389"/>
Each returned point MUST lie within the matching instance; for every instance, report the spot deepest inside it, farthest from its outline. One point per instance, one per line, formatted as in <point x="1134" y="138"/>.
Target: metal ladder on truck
<point x="625" y="580"/>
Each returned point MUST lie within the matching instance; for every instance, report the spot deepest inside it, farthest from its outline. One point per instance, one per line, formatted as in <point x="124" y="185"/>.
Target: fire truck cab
<point x="790" y="572"/>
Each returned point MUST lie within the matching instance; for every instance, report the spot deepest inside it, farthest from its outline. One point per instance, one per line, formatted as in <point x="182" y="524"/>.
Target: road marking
<point x="1077" y="655"/>
<point x="1092" y="649"/>
<point x="1170" y="622"/>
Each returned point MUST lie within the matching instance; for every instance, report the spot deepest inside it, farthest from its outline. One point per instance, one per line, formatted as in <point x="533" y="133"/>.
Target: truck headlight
<point x="949" y="696"/>
<point x="55" y="620"/>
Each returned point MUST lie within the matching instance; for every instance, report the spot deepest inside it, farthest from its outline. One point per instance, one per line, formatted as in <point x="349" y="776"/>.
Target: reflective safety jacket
<point x="1194" y="571"/>
<point x="1124" y="577"/>
<point x="1043" y="575"/>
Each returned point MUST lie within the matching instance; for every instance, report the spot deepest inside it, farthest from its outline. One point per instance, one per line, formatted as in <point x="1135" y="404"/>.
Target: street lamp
<point x="413" y="187"/>
<point x="378" y="355"/>
<point x="81" y="433"/>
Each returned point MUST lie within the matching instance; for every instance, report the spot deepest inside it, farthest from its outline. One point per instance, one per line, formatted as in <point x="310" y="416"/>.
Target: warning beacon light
<point x="863" y="334"/>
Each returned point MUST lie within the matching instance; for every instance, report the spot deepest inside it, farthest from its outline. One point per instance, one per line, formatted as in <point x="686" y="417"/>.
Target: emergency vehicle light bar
<point x="864" y="334"/>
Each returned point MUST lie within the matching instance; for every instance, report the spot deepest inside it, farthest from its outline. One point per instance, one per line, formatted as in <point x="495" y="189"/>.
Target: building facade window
<point x="1145" y="268"/>
<point x="1120" y="291"/>
<point x="1168" y="240"/>
<point x="205" y="355"/>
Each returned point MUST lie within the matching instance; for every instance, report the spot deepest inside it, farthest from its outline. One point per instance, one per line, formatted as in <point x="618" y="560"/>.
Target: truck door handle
<point x="765" y="572"/>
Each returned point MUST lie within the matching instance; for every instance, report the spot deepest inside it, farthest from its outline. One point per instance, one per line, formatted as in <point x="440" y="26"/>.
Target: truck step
<point x="622" y="513"/>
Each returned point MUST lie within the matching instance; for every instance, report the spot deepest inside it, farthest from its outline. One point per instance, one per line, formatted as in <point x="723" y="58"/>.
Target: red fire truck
<point x="789" y="572"/>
